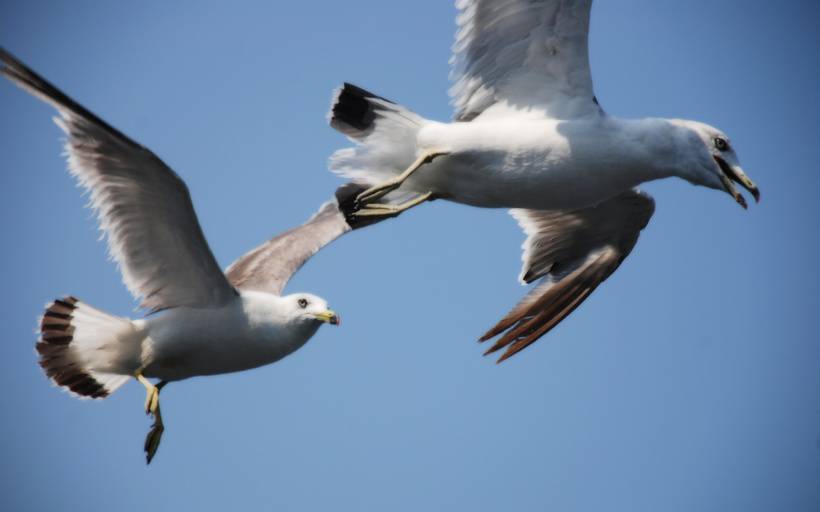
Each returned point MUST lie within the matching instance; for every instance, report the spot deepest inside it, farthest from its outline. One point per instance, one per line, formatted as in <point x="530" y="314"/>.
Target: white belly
<point x="534" y="164"/>
<point x="187" y="342"/>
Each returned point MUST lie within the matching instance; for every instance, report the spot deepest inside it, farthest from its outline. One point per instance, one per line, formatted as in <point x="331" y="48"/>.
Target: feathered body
<point x="534" y="163"/>
<point x="203" y="321"/>
<point x="249" y="332"/>
<point x="529" y="134"/>
<point x="252" y="330"/>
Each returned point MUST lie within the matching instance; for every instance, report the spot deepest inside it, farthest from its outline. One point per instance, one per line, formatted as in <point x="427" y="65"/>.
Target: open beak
<point x="734" y="174"/>
<point x="329" y="316"/>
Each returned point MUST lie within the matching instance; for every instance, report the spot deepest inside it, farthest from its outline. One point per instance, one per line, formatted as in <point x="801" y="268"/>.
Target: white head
<point x="308" y="309"/>
<point x="709" y="160"/>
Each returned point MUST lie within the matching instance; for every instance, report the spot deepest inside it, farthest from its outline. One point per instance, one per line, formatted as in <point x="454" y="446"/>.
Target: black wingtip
<point x="8" y="59"/>
<point x="346" y="197"/>
<point x="26" y="78"/>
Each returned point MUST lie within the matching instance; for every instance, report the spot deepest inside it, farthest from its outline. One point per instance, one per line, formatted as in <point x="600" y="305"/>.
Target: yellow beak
<point x="329" y="316"/>
<point x="735" y="174"/>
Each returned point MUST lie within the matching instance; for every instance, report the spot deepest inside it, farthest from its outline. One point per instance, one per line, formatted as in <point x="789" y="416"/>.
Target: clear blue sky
<point x="689" y="381"/>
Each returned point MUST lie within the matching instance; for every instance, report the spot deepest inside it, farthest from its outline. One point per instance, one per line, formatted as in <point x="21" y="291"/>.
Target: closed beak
<point x="329" y="316"/>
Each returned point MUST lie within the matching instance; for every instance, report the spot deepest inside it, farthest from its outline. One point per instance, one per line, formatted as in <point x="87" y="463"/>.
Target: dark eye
<point x="303" y="303"/>
<point x="721" y="144"/>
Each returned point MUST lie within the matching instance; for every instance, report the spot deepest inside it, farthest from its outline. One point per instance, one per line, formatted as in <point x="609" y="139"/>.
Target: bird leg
<point x="391" y="210"/>
<point x="376" y="192"/>
<point x="152" y="407"/>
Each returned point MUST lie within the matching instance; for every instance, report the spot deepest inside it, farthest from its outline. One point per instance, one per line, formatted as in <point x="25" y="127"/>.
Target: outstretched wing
<point x="523" y="54"/>
<point x="142" y="206"/>
<point x="270" y="266"/>
<point x="574" y="251"/>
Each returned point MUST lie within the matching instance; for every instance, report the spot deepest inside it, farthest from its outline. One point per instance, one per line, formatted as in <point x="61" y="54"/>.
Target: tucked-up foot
<point x="376" y="192"/>
<point x="376" y="210"/>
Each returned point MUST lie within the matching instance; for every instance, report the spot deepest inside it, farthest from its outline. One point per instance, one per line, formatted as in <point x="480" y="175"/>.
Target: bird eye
<point x="721" y="144"/>
<point x="303" y="303"/>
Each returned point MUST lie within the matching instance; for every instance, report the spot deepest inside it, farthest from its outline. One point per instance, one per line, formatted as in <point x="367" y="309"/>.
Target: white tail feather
<point x="384" y="132"/>
<point x="87" y="351"/>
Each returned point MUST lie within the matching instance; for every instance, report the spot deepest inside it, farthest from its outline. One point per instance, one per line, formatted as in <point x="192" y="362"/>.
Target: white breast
<point x="247" y="333"/>
<point x="532" y="163"/>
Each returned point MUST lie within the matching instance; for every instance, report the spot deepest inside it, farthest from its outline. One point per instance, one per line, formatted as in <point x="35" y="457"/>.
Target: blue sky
<point x="689" y="381"/>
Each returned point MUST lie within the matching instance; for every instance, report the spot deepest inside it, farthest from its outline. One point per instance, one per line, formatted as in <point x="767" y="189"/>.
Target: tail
<point x="384" y="132"/>
<point x="80" y="347"/>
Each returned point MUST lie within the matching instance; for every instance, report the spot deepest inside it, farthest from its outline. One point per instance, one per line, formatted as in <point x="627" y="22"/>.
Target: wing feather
<point x="142" y="206"/>
<point x="574" y="251"/>
<point x="270" y="266"/>
<point x="523" y="54"/>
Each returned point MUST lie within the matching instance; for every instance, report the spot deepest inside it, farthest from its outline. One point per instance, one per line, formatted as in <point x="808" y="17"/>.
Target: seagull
<point x="201" y="321"/>
<point x="529" y="135"/>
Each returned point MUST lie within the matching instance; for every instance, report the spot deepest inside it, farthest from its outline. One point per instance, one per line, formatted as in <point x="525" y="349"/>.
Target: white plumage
<point x="207" y="322"/>
<point x="522" y="55"/>
<point x="529" y="134"/>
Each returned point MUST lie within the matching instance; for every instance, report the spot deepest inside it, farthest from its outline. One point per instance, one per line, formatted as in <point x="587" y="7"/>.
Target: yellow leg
<point x="391" y="210"/>
<point x="376" y="192"/>
<point x="154" y="436"/>
<point x="151" y="396"/>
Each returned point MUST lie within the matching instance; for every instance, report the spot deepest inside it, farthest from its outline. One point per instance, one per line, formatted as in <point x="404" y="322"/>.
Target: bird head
<point x="711" y="161"/>
<point x="305" y="307"/>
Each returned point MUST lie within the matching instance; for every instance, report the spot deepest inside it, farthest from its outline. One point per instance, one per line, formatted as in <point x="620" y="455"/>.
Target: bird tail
<point x="81" y="348"/>
<point x="384" y="133"/>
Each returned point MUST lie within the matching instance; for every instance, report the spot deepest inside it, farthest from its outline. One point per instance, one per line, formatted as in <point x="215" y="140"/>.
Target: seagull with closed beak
<point x="201" y="321"/>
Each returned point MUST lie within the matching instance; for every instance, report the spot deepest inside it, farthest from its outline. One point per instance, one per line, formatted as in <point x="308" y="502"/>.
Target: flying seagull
<point x="530" y="135"/>
<point x="211" y="322"/>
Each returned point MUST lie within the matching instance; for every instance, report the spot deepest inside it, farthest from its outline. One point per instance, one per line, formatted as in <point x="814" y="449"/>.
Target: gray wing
<point x="523" y="54"/>
<point x="142" y="206"/>
<point x="270" y="266"/>
<point x="574" y="251"/>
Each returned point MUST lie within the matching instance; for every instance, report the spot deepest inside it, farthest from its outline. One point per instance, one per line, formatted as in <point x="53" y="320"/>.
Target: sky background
<point x="689" y="381"/>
